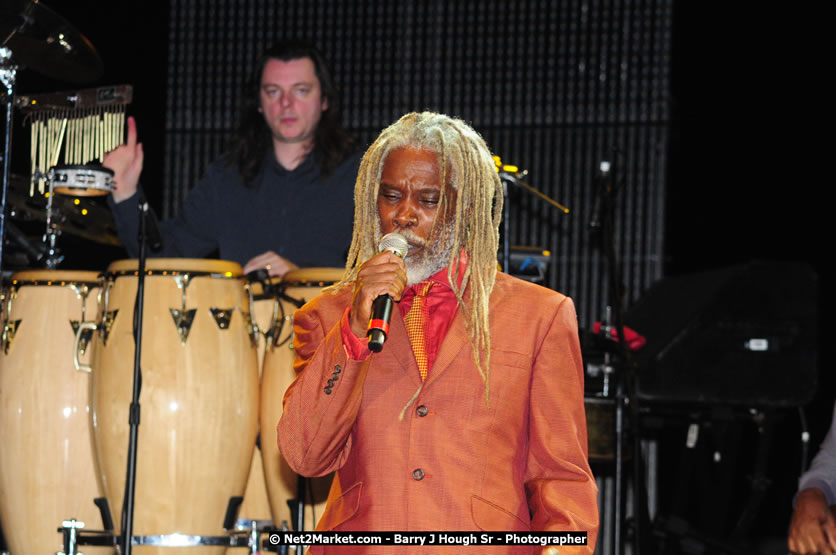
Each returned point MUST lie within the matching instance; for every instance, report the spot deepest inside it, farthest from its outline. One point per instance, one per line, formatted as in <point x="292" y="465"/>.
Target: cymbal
<point x="83" y="217"/>
<point x="45" y="42"/>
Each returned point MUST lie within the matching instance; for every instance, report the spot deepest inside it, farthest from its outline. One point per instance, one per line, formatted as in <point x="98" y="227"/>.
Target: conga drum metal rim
<point x="82" y="281"/>
<point x="54" y="277"/>
<point x="180" y="540"/>
<point x="313" y="277"/>
<point x="175" y="266"/>
<point x="184" y="270"/>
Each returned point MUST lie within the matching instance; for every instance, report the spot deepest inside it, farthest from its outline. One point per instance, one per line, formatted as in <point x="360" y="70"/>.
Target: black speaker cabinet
<point x="742" y="335"/>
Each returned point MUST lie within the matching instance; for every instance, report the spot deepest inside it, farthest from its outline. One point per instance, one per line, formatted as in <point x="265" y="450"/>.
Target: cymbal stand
<point x="604" y="221"/>
<point x="53" y="256"/>
<point x="8" y="76"/>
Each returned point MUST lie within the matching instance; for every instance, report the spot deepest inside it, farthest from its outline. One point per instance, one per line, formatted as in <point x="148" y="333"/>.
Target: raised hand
<point x="126" y="163"/>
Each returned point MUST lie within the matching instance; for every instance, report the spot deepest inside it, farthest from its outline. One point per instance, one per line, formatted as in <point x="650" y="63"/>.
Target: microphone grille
<point x="394" y="242"/>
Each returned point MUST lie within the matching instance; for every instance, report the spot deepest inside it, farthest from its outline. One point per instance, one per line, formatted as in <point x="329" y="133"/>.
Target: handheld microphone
<point x="382" y="306"/>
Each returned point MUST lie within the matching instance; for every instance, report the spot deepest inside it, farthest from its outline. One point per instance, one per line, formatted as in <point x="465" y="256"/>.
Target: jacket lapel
<point x="455" y="340"/>
<point x="457" y="337"/>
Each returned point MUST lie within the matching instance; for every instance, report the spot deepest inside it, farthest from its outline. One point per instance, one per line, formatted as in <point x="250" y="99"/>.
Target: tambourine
<point x="82" y="181"/>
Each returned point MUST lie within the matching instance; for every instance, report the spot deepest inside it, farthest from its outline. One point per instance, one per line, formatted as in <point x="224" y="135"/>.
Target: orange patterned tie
<point x="416" y="321"/>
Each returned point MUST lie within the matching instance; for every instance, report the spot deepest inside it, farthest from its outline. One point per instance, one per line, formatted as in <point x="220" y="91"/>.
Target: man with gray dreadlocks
<point x="476" y="420"/>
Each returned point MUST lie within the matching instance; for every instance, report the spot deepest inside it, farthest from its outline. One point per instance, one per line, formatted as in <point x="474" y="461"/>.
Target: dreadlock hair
<point x="465" y="164"/>
<point x="252" y="139"/>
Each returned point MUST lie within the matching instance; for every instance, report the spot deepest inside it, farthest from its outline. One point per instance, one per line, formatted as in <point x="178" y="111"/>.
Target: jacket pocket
<point x="341" y="509"/>
<point x="490" y="516"/>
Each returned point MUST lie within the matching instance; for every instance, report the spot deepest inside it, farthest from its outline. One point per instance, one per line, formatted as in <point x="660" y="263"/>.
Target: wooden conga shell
<point x="278" y="373"/>
<point x="199" y="397"/>
<point x="47" y="468"/>
<point x="256" y="505"/>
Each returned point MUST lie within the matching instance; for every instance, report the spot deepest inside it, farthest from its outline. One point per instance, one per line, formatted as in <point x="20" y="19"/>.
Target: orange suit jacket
<point x="453" y="461"/>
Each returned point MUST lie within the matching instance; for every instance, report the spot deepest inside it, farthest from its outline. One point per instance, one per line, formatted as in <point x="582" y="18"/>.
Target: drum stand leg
<point x="297" y="508"/>
<point x="232" y="512"/>
<point x="301" y="484"/>
<point x="70" y="530"/>
<point x="104" y="511"/>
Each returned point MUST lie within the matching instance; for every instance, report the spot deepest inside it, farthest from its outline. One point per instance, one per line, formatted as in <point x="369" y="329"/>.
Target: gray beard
<point x="422" y="268"/>
<point x="432" y="258"/>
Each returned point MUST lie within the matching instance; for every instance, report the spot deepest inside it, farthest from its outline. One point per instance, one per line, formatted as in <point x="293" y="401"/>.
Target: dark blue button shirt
<point x="299" y="214"/>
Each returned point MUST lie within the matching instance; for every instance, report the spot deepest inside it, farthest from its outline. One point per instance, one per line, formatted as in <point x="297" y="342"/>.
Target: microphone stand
<point x="625" y="384"/>
<point x="135" y="409"/>
<point x="508" y="174"/>
<point x="506" y="239"/>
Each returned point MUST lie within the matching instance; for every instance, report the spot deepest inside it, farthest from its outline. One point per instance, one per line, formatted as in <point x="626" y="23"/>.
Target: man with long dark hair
<point x="281" y="194"/>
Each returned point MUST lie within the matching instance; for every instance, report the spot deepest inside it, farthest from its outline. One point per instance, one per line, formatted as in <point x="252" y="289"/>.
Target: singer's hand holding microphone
<point x="380" y="282"/>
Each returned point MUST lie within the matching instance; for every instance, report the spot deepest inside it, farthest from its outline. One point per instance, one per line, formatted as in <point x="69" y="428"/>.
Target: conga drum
<point x="47" y="468"/>
<point x="255" y="509"/>
<point x="282" y="483"/>
<point x="199" y="398"/>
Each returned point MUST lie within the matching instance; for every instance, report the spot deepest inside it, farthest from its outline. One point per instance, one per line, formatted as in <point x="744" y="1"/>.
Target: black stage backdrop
<point x="709" y="114"/>
<point x="554" y="87"/>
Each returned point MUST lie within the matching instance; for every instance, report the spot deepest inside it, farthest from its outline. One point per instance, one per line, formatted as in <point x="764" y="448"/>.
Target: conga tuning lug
<point x="109" y="318"/>
<point x="274" y="336"/>
<point x="183" y="322"/>
<point x="85" y="336"/>
<point x="81" y="290"/>
<point x="222" y="316"/>
<point x="9" y="331"/>
<point x="182" y="281"/>
<point x="252" y="328"/>
<point x="271" y="336"/>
